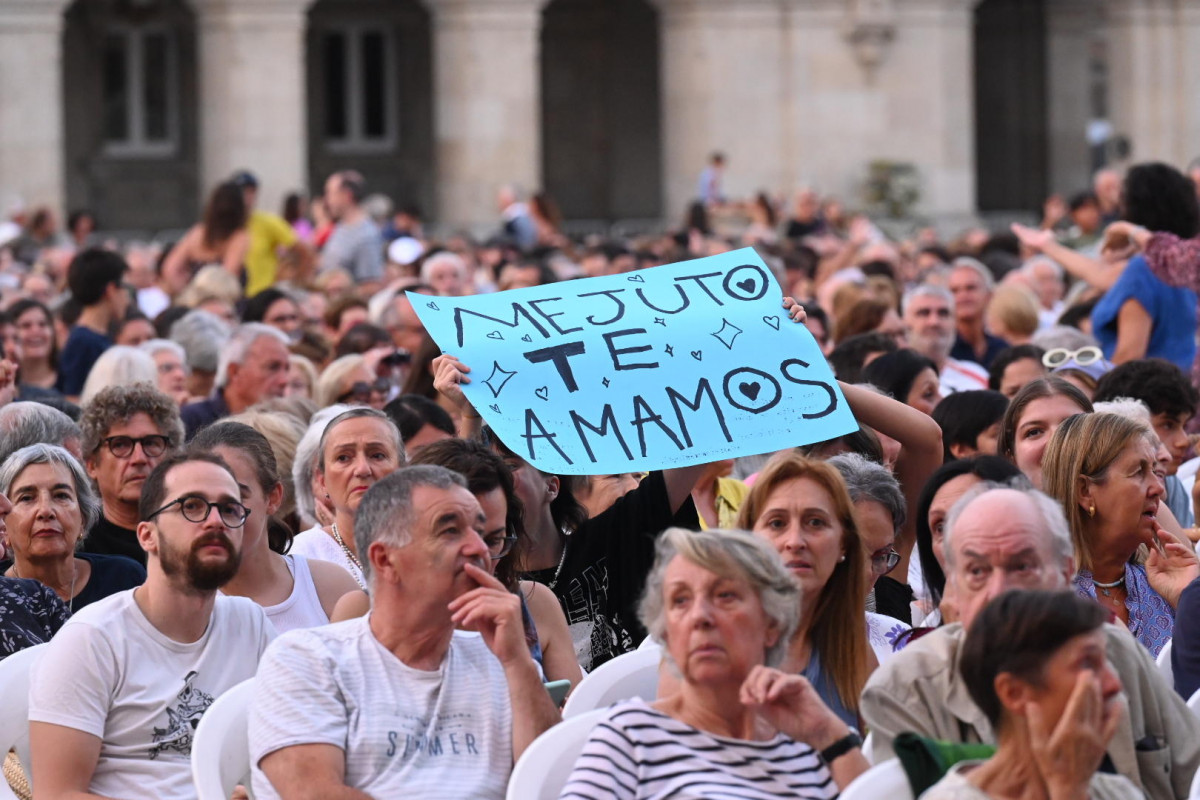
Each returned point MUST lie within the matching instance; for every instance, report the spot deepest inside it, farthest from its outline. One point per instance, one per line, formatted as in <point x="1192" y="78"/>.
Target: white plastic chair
<point x="1194" y="702"/>
<point x="542" y="770"/>
<point x="882" y="780"/>
<point x="626" y="676"/>
<point x="14" y="711"/>
<point x="221" y="748"/>
<point x="867" y="747"/>
<point x="1164" y="664"/>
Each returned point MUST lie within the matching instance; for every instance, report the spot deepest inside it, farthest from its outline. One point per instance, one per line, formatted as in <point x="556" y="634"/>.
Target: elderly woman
<point x="1103" y="469"/>
<point x="349" y="379"/>
<point x="171" y="363"/>
<point x="119" y="365"/>
<point x="724" y="609"/>
<point x="357" y="448"/>
<point x="1033" y="416"/>
<point x="54" y="505"/>
<point x="1034" y="663"/>
<point x="30" y="611"/>
<point x="801" y="507"/>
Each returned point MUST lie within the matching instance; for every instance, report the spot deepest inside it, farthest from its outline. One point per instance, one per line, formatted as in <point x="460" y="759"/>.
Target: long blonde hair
<point x="838" y="631"/>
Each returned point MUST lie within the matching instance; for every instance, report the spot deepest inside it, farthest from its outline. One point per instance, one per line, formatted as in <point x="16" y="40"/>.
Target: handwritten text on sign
<point x="671" y="366"/>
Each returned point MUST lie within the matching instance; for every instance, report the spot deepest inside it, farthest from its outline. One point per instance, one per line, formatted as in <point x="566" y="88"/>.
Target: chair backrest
<point x="882" y="780"/>
<point x="868" y="747"/>
<point x="626" y="676"/>
<point x="14" y="711"/>
<point x="1194" y="702"/>
<point x="221" y="747"/>
<point x="542" y="770"/>
<point x="1164" y="664"/>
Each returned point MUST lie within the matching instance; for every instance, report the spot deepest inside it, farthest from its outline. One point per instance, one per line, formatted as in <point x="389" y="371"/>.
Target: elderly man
<point x="971" y="283"/>
<point x="998" y="539"/>
<point x="254" y="367"/>
<point x="127" y="430"/>
<point x="399" y="703"/>
<point x="26" y="423"/>
<point x="928" y="312"/>
<point x="114" y="703"/>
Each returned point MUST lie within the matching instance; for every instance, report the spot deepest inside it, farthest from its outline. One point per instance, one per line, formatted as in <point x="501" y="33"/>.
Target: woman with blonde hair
<point x="302" y="378"/>
<point x="1103" y="469"/>
<point x="1012" y="314"/>
<point x="349" y="380"/>
<point x="801" y="507"/>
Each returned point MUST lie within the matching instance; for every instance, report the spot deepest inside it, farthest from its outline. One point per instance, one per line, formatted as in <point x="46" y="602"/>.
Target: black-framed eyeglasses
<point x="122" y="446"/>
<point x="361" y="391"/>
<point x="195" y="508"/>
<point x="885" y="562"/>
<point x="500" y="546"/>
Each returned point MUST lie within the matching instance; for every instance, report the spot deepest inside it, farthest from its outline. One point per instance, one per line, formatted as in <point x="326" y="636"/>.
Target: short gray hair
<point x="1054" y="522"/>
<point x="14" y="465"/>
<point x="728" y="553"/>
<point x="978" y="267"/>
<point x="305" y="465"/>
<point x="866" y="480"/>
<point x="119" y="365"/>
<point x="234" y="351"/>
<point x="386" y="512"/>
<point x="355" y="412"/>
<point x="1063" y="336"/>
<point x="926" y="290"/>
<point x="201" y="334"/>
<point x="26" y="423"/>
<point x="153" y="347"/>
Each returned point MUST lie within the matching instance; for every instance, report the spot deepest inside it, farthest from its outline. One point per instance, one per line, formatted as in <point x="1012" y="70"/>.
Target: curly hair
<point x="1159" y="197"/>
<point x="1159" y="384"/>
<point x="118" y="404"/>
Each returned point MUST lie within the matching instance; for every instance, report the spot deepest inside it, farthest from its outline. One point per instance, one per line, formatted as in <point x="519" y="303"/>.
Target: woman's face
<point x="603" y="490"/>
<point x="943" y="500"/>
<point x="350" y="390"/>
<point x="799" y="519"/>
<point x="925" y="393"/>
<point x="358" y="452"/>
<point x="261" y="504"/>
<point x="878" y="533"/>
<point x="1060" y="676"/>
<point x="284" y="315"/>
<point x="446" y="280"/>
<point x="45" y="521"/>
<point x="172" y="377"/>
<point x="1037" y="423"/>
<point x="495" y="522"/>
<point x="35" y="334"/>
<point x="135" y="332"/>
<point x="531" y="486"/>
<point x="716" y="629"/>
<point x="988" y="441"/>
<point x="297" y="385"/>
<point x="1127" y="500"/>
<point x="1019" y="373"/>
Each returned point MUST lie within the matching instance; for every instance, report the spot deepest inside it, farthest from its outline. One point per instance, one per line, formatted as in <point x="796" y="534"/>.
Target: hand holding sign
<point x="677" y="365"/>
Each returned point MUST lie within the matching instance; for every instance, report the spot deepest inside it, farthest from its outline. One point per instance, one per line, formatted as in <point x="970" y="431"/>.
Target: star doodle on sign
<point x="660" y="321"/>
<point x="498" y="378"/>
<point x="669" y="350"/>
<point x="727" y="334"/>
<point x="605" y="382"/>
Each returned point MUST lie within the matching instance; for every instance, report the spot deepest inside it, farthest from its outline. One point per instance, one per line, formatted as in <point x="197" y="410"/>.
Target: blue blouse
<point x="828" y="692"/>
<point x="1172" y="313"/>
<point x="1151" y="619"/>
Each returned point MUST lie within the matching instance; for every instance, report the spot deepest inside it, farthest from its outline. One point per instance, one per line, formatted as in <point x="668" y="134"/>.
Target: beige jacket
<point x="920" y="690"/>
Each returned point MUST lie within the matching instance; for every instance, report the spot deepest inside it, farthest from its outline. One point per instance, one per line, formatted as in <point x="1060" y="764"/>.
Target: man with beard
<point x="127" y="430"/>
<point x="399" y="703"/>
<point x="928" y="312"/>
<point x="115" y="700"/>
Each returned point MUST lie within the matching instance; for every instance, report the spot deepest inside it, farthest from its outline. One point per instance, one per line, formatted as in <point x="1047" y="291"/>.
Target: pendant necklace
<point x="1106" y="588"/>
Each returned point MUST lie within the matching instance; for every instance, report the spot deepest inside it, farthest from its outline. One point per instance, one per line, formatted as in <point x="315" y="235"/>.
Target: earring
<point x="1091" y="511"/>
<point x="841" y="558"/>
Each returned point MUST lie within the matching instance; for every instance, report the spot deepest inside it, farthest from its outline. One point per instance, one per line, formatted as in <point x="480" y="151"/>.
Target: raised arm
<point x="1096" y="273"/>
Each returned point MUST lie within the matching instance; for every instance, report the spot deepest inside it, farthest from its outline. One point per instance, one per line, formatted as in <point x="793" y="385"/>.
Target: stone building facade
<point x="137" y="108"/>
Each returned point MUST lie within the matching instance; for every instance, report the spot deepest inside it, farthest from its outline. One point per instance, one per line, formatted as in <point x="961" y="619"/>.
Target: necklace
<point x="1105" y="588"/>
<point x="337" y="537"/>
<point x="71" y="595"/>
<point x="562" y="559"/>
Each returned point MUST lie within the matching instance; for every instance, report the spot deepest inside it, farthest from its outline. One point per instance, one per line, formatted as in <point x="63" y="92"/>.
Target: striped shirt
<point x="639" y="752"/>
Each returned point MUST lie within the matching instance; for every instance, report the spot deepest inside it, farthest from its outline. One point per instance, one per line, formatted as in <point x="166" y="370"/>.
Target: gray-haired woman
<point x="54" y="505"/>
<point x="724" y="608"/>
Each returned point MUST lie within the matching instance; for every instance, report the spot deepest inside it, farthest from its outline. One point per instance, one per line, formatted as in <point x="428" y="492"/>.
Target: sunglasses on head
<point x="361" y="391"/>
<point x="1061" y="355"/>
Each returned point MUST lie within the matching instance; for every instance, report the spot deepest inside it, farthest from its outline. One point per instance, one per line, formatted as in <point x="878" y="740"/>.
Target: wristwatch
<point x="842" y="746"/>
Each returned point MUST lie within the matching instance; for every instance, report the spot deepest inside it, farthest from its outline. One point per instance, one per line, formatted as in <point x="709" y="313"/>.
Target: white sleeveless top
<point x="316" y="543"/>
<point x="303" y="607"/>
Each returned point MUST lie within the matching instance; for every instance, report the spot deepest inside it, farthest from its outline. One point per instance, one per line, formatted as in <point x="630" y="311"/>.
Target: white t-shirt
<point x="962" y="376"/>
<point x="316" y="543"/>
<point x="405" y="732"/>
<point x="112" y="674"/>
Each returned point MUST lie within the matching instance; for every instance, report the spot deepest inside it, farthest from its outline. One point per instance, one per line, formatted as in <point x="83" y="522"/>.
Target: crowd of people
<point x="242" y="456"/>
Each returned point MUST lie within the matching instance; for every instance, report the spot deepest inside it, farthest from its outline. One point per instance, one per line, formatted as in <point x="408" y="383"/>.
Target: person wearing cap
<point x="270" y="237"/>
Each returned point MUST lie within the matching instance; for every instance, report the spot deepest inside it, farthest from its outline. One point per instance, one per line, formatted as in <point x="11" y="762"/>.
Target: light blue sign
<point x="677" y="365"/>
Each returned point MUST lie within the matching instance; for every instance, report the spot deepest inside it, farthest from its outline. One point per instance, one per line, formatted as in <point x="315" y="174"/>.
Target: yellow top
<point x="268" y="233"/>
<point x="731" y="493"/>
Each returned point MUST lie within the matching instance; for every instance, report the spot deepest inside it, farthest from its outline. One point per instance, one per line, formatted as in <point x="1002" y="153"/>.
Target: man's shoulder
<point x="929" y="658"/>
<point x="332" y="640"/>
<point x="101" y="613"/>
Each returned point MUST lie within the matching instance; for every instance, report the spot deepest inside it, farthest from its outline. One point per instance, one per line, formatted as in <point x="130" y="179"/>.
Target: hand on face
<point x="1068" y="750"/>
<point x="791" y="705"/>
<point x="493" y="612"/>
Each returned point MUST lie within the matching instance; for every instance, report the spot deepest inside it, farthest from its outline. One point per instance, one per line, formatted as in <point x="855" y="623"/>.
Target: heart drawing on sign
<point x="433" y="305"/>
<point x="747" y="285"/>
<point x="542" y="392"/>
<point x="495" y="335"/>
<point x="751" y="390"/>
<point x="772" y="321"/>
<point x="495" y="408"/>
<point x="636" y="279"/>
<point x="527" y="338"/>
<point x="696" y="354"/>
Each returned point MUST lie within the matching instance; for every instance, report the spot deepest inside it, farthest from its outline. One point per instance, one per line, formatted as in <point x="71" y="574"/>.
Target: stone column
<point x="31" y="102"/>
<point x="487" y="124"/>
<point x="724" y="87"/>
<point x="252" y="94"/>
<point x="1154" y="77"/>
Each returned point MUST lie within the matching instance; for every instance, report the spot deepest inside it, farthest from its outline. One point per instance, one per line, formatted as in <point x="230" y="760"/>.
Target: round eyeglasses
<point x="499" y="546"/>
<point x="122" y="446"/>
<point x="1061" y="355"/>
<point x="195" y="508"/>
